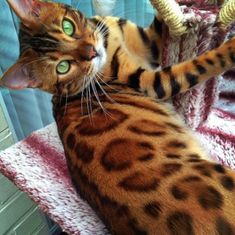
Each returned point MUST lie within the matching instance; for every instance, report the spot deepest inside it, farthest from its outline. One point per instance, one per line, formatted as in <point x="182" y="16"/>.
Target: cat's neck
<point x="90" y="101"/>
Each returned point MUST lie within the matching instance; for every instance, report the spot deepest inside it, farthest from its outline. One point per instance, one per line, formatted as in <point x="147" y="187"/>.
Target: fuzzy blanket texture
<point x="37" y="164"/>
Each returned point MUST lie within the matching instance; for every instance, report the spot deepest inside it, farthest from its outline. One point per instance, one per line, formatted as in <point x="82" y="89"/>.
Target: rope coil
<point x="227" y="14"/>
<point x="172" y="15"/>
<point x="175" y="19"/>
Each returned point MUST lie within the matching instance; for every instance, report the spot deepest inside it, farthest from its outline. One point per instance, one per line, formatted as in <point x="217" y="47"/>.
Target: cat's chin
<point x="99" y="61"/>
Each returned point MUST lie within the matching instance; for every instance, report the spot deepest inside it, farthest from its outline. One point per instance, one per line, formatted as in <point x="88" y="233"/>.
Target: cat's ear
<point x="26" y="10"/>
<point x="18" y="76"/>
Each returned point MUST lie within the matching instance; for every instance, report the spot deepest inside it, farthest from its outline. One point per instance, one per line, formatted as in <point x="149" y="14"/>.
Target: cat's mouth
<point x="99" y="61"/>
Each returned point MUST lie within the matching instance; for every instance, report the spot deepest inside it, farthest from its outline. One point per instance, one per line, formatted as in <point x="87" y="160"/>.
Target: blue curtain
<point x="30" y="109"/>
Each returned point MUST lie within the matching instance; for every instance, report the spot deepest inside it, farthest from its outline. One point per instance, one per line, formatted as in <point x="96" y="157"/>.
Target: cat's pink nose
<point x="91" y="52"/>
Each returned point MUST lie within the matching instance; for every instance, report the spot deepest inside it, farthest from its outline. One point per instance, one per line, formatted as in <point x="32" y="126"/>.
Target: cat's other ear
<point x="19" y="76"/>
<point x="26" y="10"/>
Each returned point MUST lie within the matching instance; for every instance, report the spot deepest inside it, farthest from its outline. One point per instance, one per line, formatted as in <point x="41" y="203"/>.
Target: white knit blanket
<point x="37" y="166"/>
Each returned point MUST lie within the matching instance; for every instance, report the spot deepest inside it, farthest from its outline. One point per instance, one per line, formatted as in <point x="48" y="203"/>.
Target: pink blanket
<point x="37" y="166"/>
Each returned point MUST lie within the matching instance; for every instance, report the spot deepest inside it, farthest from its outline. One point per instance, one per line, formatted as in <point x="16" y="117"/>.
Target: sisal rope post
<point x="173" y="16"/>
<point x="227" y="14"/>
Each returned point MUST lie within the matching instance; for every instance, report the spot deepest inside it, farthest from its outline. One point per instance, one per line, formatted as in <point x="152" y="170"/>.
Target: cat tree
<point x="191" y="28"/>
<point x="37" y="164"/>
<point x="178" y="24"/>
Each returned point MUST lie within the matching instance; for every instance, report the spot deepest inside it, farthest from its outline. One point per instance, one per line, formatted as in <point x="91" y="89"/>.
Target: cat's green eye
<point x="68" y="27"/>
<point x="63" y="67"/>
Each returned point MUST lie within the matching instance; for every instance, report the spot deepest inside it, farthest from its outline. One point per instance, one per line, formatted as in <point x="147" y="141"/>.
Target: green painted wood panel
<point x="42" y="230"/>
<point x="3" y="122"/>
<point x="3" y="134"/>
<point x="4" y="118"/>
<point x="29" y="223"/>
<point x="6" y="139"/>
<point x="7" y="190"/>
<point x="13" y="211"/>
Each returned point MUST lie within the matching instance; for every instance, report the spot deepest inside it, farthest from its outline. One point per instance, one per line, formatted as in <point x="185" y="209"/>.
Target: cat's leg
<point x="154" y="32"/>
<point x="177" y="78"/>
<point x="143" y="44"/>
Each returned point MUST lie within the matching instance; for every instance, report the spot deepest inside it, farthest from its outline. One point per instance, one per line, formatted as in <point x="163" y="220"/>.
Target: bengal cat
<point x="129" y="155"/>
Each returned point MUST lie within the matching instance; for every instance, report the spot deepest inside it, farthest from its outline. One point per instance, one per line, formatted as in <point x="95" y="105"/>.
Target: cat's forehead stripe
<point x="72" y="10"/>
<point x="39" y="42"/>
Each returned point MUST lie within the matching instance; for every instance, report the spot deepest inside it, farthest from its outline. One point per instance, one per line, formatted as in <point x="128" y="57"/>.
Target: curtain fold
<point x="30" y="109"/>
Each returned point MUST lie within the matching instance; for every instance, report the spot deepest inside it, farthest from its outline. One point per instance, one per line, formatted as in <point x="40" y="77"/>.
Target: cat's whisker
<point x="101" y="25"/>
<point x="108" y="114"/>
<point x="101" y="22"/>
<point x="87" y="103"/>
<point x="89" y="70"/>
<point x="88" y="95"/>
<point x="97" y="97"/>
<point x="98" y="26"/>
<point x="104" y="92"/>
<point x="113" y="25"/>
<point x="90" y="101"/>
<point x="82" y="97"/>
<point x="103" y="82"/>
<point x="101" y="76"/>
<point x="104" y="30"/>
<point x="106" y="76"/>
